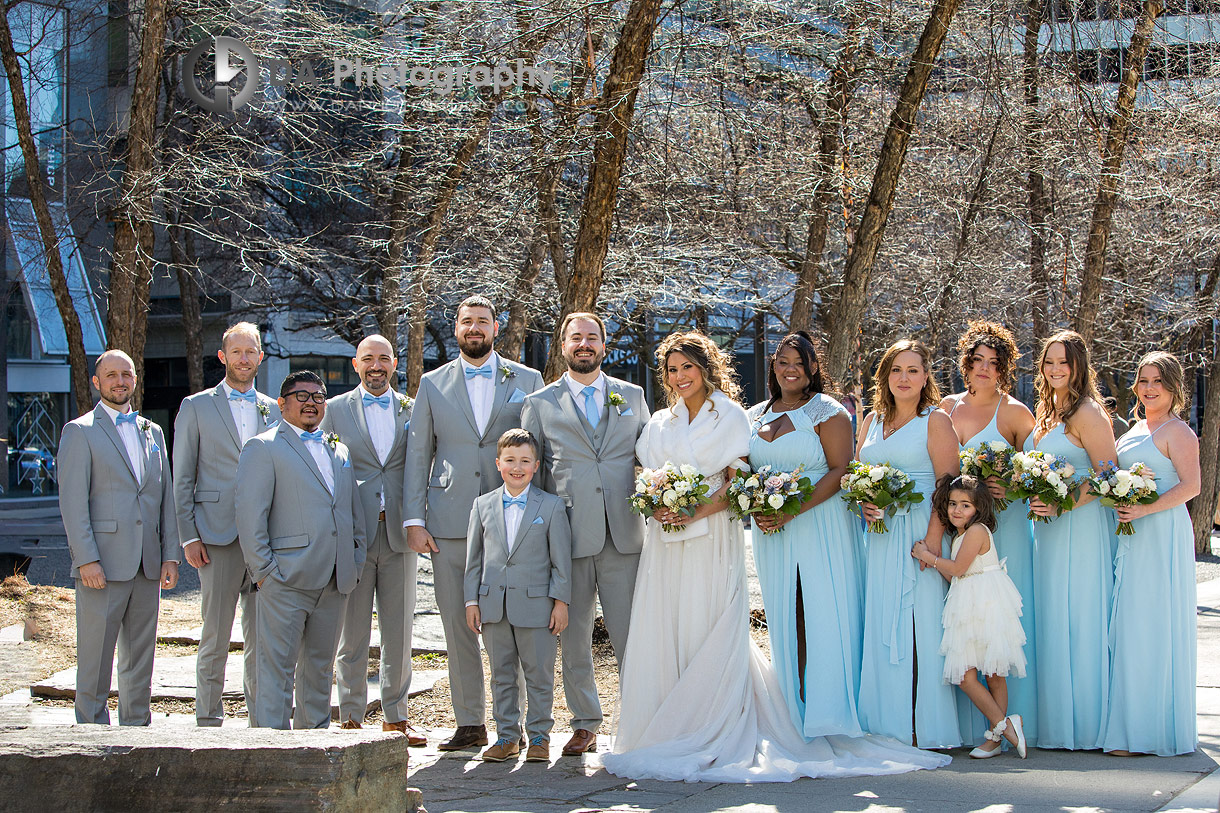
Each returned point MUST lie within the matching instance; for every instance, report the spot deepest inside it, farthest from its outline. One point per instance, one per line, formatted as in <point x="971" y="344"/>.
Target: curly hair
<point x="802" y="343"/>
<point x="1173" y="379"/>
<point x="715" y="364"/>
<point x="984" y="503"/>
<point x="1082" y="383"/>
<point x="995" y="336"/>
<point x="883" y="399"/>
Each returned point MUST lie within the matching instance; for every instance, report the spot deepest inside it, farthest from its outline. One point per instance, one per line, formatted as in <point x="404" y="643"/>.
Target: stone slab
<point x="428" y="636"/>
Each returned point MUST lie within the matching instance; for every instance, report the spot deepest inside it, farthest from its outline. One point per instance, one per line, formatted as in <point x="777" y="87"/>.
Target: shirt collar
<point x="363" y="392"/>
<point x="112" y="412"/>
<point x="295" y="428"/>
<point x="493" y="360"/>
<point x="575" y="386"/>
<point x="525" y="493"/>
<point x="230" y="390"/>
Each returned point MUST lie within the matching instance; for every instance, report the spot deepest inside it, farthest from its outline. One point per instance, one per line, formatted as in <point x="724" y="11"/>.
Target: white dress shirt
<point x="320" y="456"/>
<point x="482" y="390"/>
<point x="380" y="422"/>
<point x="512" y="523"/>
<point x="245" y="414"/>
<point x="130" y="436"/>
<point x="578" y="397"/>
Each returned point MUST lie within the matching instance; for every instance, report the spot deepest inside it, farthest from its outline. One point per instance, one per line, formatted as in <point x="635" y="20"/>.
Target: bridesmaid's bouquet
<point x="1118" y="487"/>
<point x="883" y="485"/>
<point x="990" y="459"/>
<point x="678" y="488"/>
<point x="768" y="492"/>
<point x="1046" y="476"/>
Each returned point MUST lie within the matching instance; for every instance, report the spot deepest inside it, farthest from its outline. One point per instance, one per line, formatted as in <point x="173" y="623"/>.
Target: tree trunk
<point x="512" y="337"/>
<point x="1203" y="507"/>
<point x="389" y="306"/>
<point x="613" y="124"/>
<point x="1040" y="282"/>
<point x="78" y="364"/>
<point x="852" y="302"/>
<point x="182" y="254"/>
<point x="1111" y="172"/>
<point x="132" y="263"/>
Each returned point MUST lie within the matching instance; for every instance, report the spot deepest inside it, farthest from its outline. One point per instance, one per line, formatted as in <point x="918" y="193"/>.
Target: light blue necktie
<point x="591" y="409"/>
<point x="518" y="501"/>
<point x="382" y="401"/>
<point x="315" y="436"/>
<point x="243" y="396"/>
<point x="130" y="418"/>
<point x="484" y="371"/>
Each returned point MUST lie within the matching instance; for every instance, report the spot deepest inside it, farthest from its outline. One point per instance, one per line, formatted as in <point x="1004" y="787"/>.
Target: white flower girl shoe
<point x="991" y="735"/>
<point x="1017" y="730"/>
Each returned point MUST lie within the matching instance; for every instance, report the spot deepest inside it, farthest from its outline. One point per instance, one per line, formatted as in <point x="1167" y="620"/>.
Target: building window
<point x="336" y="371"/>
<point x="116" y="30"/>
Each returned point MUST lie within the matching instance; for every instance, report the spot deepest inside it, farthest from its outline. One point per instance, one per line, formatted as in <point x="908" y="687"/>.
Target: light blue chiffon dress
<point x="821" y="549"/>
<point x="1073" y="585"/>
<point x="903" y="607"/>
<point x="1152" y="627"/>
<point x="1014" y="542"/>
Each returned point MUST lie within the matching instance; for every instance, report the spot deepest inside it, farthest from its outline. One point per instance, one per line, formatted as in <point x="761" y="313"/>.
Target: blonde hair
<point x="715" y="364"/>
<point x="248" y="329"/>
<point x="883" y="399"/>
<point x="1173" y="378"/>
<point x="1082" y="383"/>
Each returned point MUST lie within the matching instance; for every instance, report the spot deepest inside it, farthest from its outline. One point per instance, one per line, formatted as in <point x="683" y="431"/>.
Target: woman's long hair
<point x="1082" y="383"/>
<point x="1173" y="378"/>
<point x="997" y="337"/>
<point x="715" y="364"/>
<point x="883" y="399"/>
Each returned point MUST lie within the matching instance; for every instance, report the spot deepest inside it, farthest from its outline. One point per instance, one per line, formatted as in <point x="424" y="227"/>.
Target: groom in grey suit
<point x="118" y="511"/>
<point x="372" y="421"/>
<point x="587" y="424"/>
<point x="208" y="435"/>
<point x="301" y="528"/>
<point x="461" y="409"/>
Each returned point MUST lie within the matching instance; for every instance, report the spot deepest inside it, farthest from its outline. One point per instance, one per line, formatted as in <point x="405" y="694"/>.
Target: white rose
<point x="1061" y="489"/>
<point x="1068" y="469"/>
<point x="743" y="502"/>
<point x="752" y="482"/>
<point x="1104" y="488"/>
<point x="877" y="474"/>
<point x="1122" y="489"/>
<point x="997" y="445"/>
<point x="776" y="501"/>
<point x="688" y="470"/>
<point x="1054" y="479"/>
<point x="669" y="497"/>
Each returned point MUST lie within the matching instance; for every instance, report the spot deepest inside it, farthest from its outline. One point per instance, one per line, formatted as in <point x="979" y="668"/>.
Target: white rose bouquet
<point x="886" y="487"/>
<point x="1117" y="487"/>
<point x="991" y="459"/>
<point x="677" y="488"/>
<point x="768" y="492"/>
<point x="1048" y="477"/>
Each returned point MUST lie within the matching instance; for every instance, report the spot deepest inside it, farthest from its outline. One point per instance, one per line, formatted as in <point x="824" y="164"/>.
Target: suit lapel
<point x="221" y="401"/>
<point x="456" y="384"/>
<point x="497" y="511"/>
<point x="527" y="518"/>
<point x="356" y="400"/>
<point x="334" y="471"/>
<point x="568" y="405"/>
<point x="144" y="449"/>
<point x="400" y="433"/>
<point x="102" y="419"/>
<point x="504" y="385"/>
<point x="290" y="436"/>
<point x="612" y="416"/>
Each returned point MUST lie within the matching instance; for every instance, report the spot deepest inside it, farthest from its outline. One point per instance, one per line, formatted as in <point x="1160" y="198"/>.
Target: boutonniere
<point x="146" y="427"/>
<point x="331" y="439"/>
<point x="263" y="409"/>
<point x="506" y="373"/>
<point x="404" y="402"/>
<point x="617" y="401"/>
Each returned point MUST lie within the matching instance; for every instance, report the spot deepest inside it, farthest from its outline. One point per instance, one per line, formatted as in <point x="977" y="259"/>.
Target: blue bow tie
<point x="518" y="501"/>
<point x="315" y="436"/>
<point x="484" y="371"/>
<point x="382" y="401"/>
<point x="243" y="396"/>
<point x="130" y="418"/>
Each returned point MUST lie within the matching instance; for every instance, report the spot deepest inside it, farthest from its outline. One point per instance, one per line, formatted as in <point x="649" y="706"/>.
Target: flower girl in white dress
<point x="982" y="616"/>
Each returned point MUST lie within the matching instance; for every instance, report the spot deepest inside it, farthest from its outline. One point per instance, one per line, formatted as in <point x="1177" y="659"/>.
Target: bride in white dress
<point x="699" y="701"/>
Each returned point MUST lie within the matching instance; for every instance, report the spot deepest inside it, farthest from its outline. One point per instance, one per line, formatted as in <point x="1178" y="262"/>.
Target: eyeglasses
<point x="304" y="395"/>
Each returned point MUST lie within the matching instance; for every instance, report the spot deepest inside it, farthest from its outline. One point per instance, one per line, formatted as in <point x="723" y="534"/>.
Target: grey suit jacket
<point x="448" y="462"/>
<point x="519" y="585"/>
<point x="291" y="528"/>
<point x="109" y="517"/>
<point x="595" y="480"/>
<point x="206" y="446"/>
<point x="345" y="417"/>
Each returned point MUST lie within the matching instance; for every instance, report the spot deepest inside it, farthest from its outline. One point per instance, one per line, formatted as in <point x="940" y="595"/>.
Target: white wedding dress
<point x="699" y="701"/>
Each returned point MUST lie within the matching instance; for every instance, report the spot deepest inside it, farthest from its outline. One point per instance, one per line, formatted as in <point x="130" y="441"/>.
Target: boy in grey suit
<point x="518" y="558"/>
<point x="208" y="435"/>
<point x="118" y="510"/>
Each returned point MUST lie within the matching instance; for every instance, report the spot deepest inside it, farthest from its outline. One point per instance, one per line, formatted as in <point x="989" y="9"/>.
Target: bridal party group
<point x="937" y="572"/>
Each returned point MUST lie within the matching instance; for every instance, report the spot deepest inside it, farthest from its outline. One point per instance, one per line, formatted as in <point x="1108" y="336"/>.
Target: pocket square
<point x="626" y="412"/>
<point x="537" y="521"/>
<point x="347" y="464"/>
<point x="272" y="425"/>
<point x="517" y="397"/>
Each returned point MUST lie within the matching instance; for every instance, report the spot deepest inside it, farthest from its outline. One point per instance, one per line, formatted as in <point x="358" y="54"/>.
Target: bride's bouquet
<point x="990" y="459"/>
<point x="1119" y="487"/>
<point x="1046" y="476"/>
<point x="883" y="485"/>
<point x="678" y="488"/>
<point x="768" y="492"/>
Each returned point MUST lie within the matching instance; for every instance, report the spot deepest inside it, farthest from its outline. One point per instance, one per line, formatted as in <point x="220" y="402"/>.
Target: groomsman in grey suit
<point x="372" y="421"/>
<point x="208" y="435"/>
<point x="460" y="412"/>
<point x="587" y="424"/>
<point x="301" y="528"/>
<point x="118" y="510"/>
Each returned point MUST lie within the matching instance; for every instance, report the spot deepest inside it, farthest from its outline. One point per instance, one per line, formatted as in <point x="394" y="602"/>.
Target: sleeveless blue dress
<point x="903" y="607"/>
<point x="1152" y="627"/>
<point x="1014" y="541"/>
<point x="821" y="548"/>
<point x="1073" y="584"/>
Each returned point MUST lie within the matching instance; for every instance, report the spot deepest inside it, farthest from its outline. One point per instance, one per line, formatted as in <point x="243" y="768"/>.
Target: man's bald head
<point x="114" y="376"/>
<point x="375" y="363"/>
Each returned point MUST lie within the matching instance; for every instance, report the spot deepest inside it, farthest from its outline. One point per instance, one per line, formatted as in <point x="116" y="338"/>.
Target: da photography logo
<point x="225" y="73"/>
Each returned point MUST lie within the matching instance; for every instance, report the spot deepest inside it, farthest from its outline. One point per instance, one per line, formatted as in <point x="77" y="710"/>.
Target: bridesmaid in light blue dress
<point x="809" y="566"/>
<point x="1152" y="627"/>
<point x="987" y="360"/>
<point x="1073" y="570"/>
<point x="902" y="601"/>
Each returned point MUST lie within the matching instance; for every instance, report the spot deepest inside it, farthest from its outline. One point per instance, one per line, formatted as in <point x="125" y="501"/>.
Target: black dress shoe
<point x="466" y="736"/>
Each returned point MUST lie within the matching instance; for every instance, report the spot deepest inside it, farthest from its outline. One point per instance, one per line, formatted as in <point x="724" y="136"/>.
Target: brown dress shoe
<point x="540" y="751"/>
<point x="583" y="741"/>
<point x="351" y="724"/>
<point x="502" y="751"/>
<point x="466" y="736"/>
<point x="414" y="738"/>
